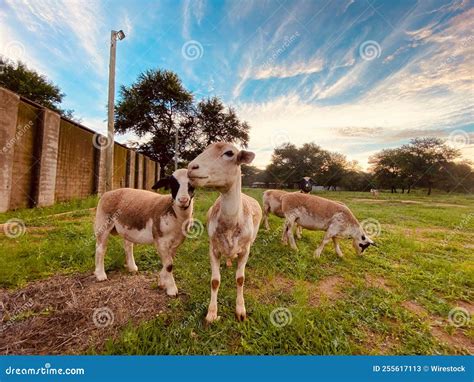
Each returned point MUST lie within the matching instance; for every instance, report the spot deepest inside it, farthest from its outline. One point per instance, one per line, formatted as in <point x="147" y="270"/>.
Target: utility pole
<point x="176" y="143"/>
<point x="109" y="163"/>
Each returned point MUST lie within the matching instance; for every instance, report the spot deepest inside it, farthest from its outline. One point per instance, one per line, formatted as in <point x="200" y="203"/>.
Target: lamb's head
<point x="360" y="241"/>
<point x="181" y="190"/>
<point x="218" y="166"/>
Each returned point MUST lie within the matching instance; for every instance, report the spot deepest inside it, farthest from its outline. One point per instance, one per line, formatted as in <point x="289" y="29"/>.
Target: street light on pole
<point x="109" y="164"/>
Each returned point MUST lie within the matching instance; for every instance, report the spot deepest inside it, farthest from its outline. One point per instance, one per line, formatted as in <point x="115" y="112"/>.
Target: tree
<point x="386" y="168"/>
<point x="427" y="157"/>
<point x="29" y="84"/>
<point x="212" y="123"/>
<point x="157" y="105"/>
<point x="152" y="108"/>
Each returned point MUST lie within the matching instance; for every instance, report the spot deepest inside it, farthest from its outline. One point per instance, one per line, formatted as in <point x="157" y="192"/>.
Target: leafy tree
<point x="157" y="105"/>
<point x="427" y="157"/>
<point x="29" y="84"/>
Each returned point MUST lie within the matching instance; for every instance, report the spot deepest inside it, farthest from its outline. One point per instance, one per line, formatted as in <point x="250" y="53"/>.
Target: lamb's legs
<point x="326" y="240"/>
<point x="298" y="231"/>
<point x="215" y="282"/>
<point x="289" y="227"/>
<point x="265" y="218"/>
<point x="166" y="274"/>
<point x="336" y="246"/>
<point x="240" y="311"/>
<point x="100" y="250"/>
<point x="130" y="261"/>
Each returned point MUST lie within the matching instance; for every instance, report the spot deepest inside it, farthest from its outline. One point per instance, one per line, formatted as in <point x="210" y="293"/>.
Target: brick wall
<point x="46" y="159"/>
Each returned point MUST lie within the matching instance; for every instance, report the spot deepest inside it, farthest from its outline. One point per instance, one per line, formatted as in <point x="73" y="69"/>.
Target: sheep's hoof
<point x="316" y="255"/>
<point x="132" y="269"/>
<point x="241" y="316"/>
<point x="172" y="292"/>
<point x="212" y="317"/>
<point x="100" y="275"/>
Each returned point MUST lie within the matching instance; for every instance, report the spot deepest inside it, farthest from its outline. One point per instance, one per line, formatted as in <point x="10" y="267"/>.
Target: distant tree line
<point x="427" y="163"/>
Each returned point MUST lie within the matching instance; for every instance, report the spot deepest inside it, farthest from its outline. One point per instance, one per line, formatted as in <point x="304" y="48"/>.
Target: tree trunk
<point x="429" y="189"/>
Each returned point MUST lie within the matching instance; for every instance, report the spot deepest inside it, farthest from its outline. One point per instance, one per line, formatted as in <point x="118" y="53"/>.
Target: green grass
<point x="425" y="255"/>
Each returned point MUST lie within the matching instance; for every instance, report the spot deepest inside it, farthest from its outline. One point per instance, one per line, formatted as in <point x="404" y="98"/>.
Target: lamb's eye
<point x="363" y="237"/>
<point x="229" y="154"/>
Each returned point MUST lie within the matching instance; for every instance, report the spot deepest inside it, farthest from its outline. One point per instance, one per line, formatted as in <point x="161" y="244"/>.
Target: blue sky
<point x="351" y="76"/>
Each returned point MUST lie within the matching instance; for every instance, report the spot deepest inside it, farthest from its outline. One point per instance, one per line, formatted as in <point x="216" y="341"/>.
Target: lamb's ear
<point x="245" y="157"/>
<point x="165" y="182"/>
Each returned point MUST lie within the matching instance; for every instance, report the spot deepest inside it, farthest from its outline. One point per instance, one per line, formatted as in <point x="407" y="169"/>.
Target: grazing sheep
<point x="272" y="203"/>
<point x="316" y="213"/>
<point x="145" y="217"/>
<point x="233" y="219"/>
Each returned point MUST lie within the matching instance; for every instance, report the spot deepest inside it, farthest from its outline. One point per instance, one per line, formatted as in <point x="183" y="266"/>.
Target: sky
<point x="351" y="76"/>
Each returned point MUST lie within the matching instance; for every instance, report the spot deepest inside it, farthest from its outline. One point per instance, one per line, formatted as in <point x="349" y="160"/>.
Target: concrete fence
<point x="45" y="158"/>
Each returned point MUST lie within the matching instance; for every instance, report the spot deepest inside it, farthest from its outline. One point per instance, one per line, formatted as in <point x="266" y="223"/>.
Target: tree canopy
<point x="26" y="82"/>
<point x="158" y="105"/>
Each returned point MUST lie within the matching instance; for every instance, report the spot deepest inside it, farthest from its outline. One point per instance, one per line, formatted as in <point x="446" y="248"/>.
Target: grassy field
<point x="396" y="299"/>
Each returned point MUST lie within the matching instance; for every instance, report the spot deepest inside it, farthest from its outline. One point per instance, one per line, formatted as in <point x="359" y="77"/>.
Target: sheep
<point x="232" y="221"/>
<point x="316" y="213"/>
<point x="145" y="217"/>
<point x="272" y="203"/>
<point x="374" y="192"/>
<point x="306" y="185"/>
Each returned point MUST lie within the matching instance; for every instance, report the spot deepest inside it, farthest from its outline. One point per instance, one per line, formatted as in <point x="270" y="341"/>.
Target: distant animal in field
<point x="374" y="192"/>
<point x="272" y="204"/>
<point x="306" y="184"/>
<point x="145" y="217"/>
<point x="316" y="213"/>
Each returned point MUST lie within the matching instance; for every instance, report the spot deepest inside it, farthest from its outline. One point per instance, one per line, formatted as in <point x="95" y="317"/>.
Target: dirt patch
<point x="70" y="314"/>
<point x="270" y="290"/>
<point x="377" y="282"/>
<point x="378" y="343"/>
<point x="415" y="308"/>
<point x="458" y="340"/>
